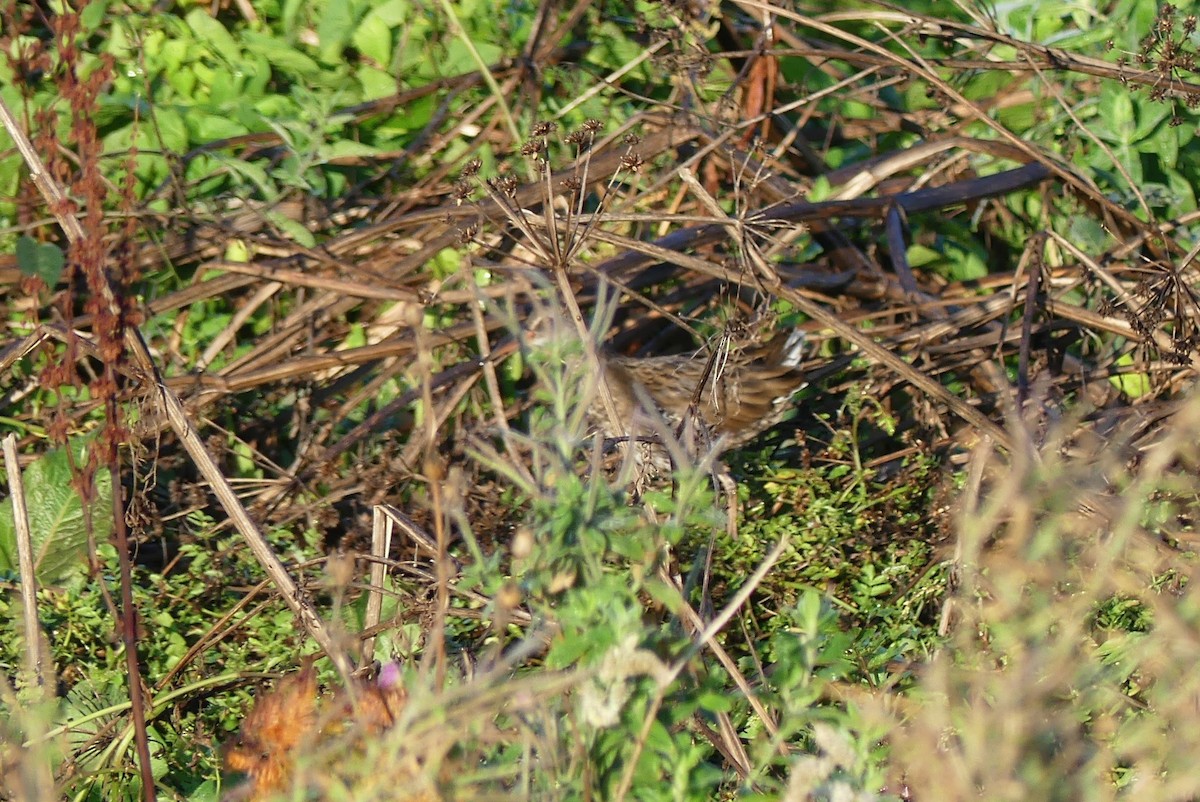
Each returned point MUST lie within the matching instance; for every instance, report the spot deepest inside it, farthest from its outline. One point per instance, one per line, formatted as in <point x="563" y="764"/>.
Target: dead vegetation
<point x="375" y="364"/>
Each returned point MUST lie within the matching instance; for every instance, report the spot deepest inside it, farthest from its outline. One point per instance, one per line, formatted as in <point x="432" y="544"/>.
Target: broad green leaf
<point x="1133" y="385"/>
<point x="255" y="173"/>
<point x="376" y="83"/>
<point x="345" y="147"/>
<point x="293" y="229"/>
<point x="258" y="74"/>
<point x="1117" y="122"/>
<point x="211" y="127"/>
<point x="210" y="31"/>
<point x="225" y="87"/>
<point x="169" y="125"/>
<point x="174" y="54"/>
<point x="183" y="81"/>
<point x="10" y="176"/>
<point x="392" y="13"/>
<point x="42" y="259"/>
<point x="282" y="56"/>
<point x="92" y="15"/>
<point x="1165" y="144"/>
<point x="1184" y="192"/>
<point x="373" y="38"/>
<point x="335" y="29"/>
<point x="1088" y="234"/>
<point x="1149" y="117"/>
<point x="290" y="18"/>
<point x="56" y="517"/>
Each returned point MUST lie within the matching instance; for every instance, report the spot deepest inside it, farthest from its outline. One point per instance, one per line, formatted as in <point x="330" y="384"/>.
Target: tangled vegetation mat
<point x="430" y="400"/>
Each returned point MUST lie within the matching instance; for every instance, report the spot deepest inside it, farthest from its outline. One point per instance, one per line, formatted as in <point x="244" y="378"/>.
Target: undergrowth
<point x="283" y="279"/>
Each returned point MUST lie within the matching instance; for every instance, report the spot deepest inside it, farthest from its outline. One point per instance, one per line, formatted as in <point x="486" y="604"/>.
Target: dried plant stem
<point x="16" y="488"/>
<point x="381" y="546"/>
<point x="484" y="70"/>
<point x="434" y="469"/>
<point x="590" y="350"/>
<point x="493" y="387"/>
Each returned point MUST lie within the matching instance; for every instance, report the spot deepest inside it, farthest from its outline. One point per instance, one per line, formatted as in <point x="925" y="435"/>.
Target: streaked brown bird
<point x="720" y="400"/>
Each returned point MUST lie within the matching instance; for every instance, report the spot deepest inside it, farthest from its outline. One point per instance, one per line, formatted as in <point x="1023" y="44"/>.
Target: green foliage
<point x="615" y="690"/>
<point x="178" y="612"/>
<point x="59" y="520"/>
<point x="42" y="259"/>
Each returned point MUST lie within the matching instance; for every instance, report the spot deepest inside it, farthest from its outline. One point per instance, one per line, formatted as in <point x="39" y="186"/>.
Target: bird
<point x="708" y="403"/>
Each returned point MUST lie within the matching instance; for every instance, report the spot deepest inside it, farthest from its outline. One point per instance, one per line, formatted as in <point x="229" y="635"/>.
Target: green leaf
<point x="175" y="53"/>
<point x="92" y="15"/>
<point x="334" y="30"/>
<point x="281" y="55"/>
<point x="1183" y="190"/>
<point x="213" y="33"/>
<point x="376" y="83"/>
<point x="344" y="148"/>
<point x="393" y="13"/>
<point x="10" y="177"/>
<point x="56" y="516"/>
<point x="1087" y="233"/>
<point x="1117" y="125"/>
<point x="211" y="127"/>
<point x="374" y="40"/>
<point x="1149" y="117"/>
<point x="226" y="87"/>
<point x="168" y="123"/>
<point x="293" y="229"/>
<point x="1133" y="385"/>
<point x="42" y="259"/>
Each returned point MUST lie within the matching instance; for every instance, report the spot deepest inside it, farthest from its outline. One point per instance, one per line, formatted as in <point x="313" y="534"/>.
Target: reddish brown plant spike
<point x="471" y="168"/>
<point x="544" y="128"/>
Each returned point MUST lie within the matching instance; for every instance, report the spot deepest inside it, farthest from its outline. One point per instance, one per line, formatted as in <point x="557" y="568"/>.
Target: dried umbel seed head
<point x="533" y="147"/>
<point x="506" y="186"/>
<point x="631" y="162"/>
<point x="466" y="234"/>
<point x="471" y="168"/>
<point x="462" y="191"/>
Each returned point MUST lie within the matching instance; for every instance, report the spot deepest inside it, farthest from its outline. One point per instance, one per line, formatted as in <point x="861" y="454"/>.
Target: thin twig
<point x="29" y="616"/>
